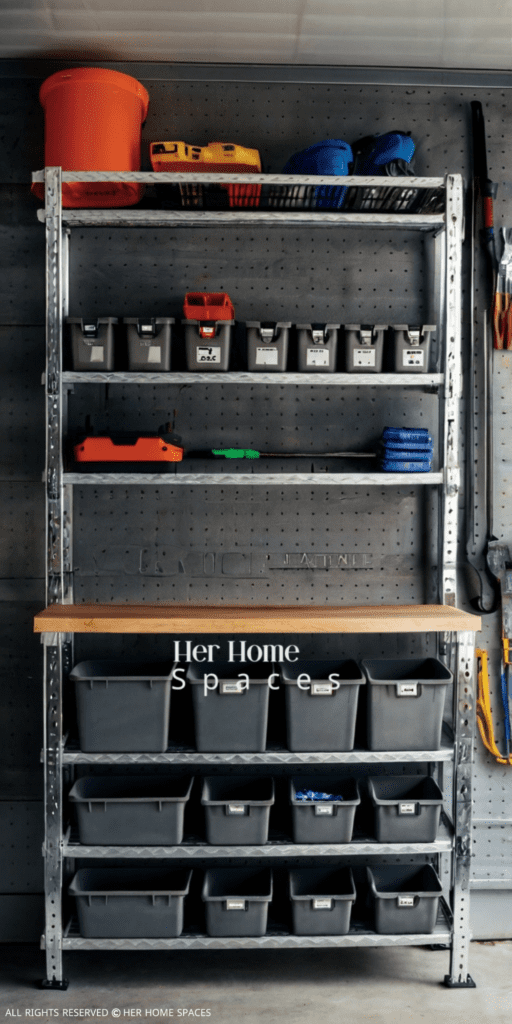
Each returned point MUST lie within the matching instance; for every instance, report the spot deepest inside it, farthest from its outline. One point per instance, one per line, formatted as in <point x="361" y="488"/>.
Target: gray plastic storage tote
<point x="405" y="898"/>
<point x="405" y="703"/>
<point x="236" y="900"/>
<point x="122" y="705"/>
<point x="317" y="347"/>
<point x="118" y="810"/>
<point x="267" y="346"/>
<point x="321" y="715"/>
<point x="406" y="808"/>
<point x="92" y="342"/>
<point x="149" y="342"/>
<point x="364" y="348"/>
<point x="208" y="344"/>
<point x="130" y="903"/>
<point x="411" y="348"/>
<point x="322" y="900"/>
<point x="231" y="717"/>
<point x="323" y="821"/>
<point x="237" y="809"/>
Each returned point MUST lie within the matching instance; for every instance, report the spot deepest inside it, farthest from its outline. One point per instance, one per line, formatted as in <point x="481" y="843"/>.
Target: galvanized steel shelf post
<point x="58" y="646"/>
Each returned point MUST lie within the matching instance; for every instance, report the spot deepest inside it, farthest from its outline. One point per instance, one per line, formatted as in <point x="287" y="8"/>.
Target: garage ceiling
<point x="392" y="33"/>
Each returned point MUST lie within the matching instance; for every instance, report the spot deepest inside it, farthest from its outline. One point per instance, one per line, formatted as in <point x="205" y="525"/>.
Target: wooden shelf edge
<point x="175" y="619"/>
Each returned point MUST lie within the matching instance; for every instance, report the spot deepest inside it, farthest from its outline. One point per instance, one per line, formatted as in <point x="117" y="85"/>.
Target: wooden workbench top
<point x="145" y="618"/>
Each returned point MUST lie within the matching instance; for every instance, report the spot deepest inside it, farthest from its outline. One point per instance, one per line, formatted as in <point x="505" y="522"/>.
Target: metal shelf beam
<point x="254" y="479"/>
<point x="414" y="380"/>
<point x="194" y="757"/>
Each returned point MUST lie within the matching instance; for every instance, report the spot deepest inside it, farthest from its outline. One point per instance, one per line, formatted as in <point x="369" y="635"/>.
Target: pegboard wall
<point x="189" y="543"/>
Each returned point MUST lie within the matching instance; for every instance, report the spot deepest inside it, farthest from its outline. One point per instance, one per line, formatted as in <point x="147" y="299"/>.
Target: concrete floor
<point x="275" y="987"/>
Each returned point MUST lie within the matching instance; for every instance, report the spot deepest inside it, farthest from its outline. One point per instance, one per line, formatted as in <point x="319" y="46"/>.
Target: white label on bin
<point x="97" y="353"/>
<point x="407" y="808"/>
<point x="321" y="689"/>
<point x="317" y="357"/>
<point x="413" y="357"/>
<point x="236" y="808"/>
<point x="322" y="904"/>
<point x="208" y="353"/>
<point x="364" y="357"/>
<point x="232" y="687"/>
<point x="235" y="904"/>
<point x="407" y="690"/>
<point x="324" y="809"/>
<point x="406" y="901"/>
<point x="267" y="356"/>
<point x="154" y="354"/>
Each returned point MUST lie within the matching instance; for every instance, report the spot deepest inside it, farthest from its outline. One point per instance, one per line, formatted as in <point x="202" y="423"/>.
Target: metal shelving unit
<point x="62" y="618"/>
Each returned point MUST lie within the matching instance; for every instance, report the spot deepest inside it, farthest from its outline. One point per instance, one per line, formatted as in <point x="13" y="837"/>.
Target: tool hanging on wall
<point x="502" y="309"/>
<point x="483" y="711"/>
<point x="481" y="587"/>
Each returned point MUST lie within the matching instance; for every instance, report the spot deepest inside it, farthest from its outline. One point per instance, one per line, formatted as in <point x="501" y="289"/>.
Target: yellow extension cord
<point x="483" y="709"/>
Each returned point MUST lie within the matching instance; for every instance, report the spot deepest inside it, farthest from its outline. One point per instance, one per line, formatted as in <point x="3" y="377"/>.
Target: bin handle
<point x="236" y="904"/>
<point x="237" y="810"/>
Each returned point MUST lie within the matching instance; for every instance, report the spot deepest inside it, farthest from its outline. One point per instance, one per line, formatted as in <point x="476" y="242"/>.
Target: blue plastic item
<point x="389" y="154"/>
<point x="312" y="794"/>
<point x="399" y="466"/>
<point x="332" y="156"/>
<point x="407" y="446"/>
<point x="406" y="434"/>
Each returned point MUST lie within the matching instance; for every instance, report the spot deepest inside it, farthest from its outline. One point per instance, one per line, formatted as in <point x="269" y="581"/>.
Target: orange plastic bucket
<point x="93" y="120"/>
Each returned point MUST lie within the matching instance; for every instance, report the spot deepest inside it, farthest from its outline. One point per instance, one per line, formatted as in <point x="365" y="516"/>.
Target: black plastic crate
<point x="236" y="900"/>
<point x="92" y="342"/>
<point x="130" y="903"/>
<point x="405" y="898"/>
<point x="322" y="900"/>
<point x="119" y="810"/>
<point x="122" y="705"/>
<point x="230" y="718"/>
<point x="324" y="821"/>
<point x="237" y="809"/>
<point x="321" y="715"/>
<point x="405" y="703"/>
<point x="406" y="808"/>
<point x="149" y="343"/>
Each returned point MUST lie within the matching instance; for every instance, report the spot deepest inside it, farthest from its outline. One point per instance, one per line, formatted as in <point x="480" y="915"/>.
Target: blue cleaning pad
<point x="406" y="434"/>
<point x="407" y="446"/>
<point x="406" y="466"/>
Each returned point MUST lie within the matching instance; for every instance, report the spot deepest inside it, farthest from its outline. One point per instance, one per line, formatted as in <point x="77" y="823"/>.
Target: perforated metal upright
<point x="457" y="644"/>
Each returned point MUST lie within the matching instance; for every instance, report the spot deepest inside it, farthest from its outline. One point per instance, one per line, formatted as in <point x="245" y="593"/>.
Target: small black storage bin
<point x="405" y="703"/>
<point x="237" y="809"/>
<point x="317" y="347"/>
<point x="267" y="346"/>
<point x="125" y="810"/>
<point x="122" y="706"/>
<point x="149" y="342"/>
<point x="230" y="718"/>
<point x="364" y="348"/>
<point x="130" y="903"/>
<point x="236" y="900"/>
<point x="319" y="716"/>
<point x="208" y="344"/>
<point x="322" y="900"/>
<point x="92" y="342"/>
<point x="405" y="898"/>
<point x="324" y="821"/>
<point x="406" y="808"/>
